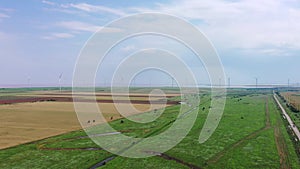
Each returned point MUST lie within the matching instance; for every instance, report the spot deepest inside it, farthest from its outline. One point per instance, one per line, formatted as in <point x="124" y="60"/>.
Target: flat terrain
<point x="29" y="116"/>
<point x="251" y="134"/>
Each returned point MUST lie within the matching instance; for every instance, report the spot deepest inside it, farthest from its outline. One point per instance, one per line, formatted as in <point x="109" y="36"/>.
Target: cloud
<point x="128" y="48"/>
<point x="79" y="26"/>
<point x="95" y="8"/>
<point x="82" y="26"/>
<point x="244" y="24"/>
<point x="5" y="13"/>
<point x="2" y="15"/>
<point x="7" y="9"/>
<point x="58" y="36"/>
<point x="49" y="3"/>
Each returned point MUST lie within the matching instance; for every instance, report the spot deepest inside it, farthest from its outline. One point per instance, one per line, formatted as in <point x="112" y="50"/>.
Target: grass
<point x="295" y="117"/>
<point x="282" y="124"/>
<point x="230" y="130"/>
<point x="27" y="156"/>
<point x="151" y="162"/>
<point x="243" y="139"/>
<point x="259" y="152"/>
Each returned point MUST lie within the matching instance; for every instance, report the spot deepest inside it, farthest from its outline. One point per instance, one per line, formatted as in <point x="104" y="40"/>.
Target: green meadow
<point x="251" y="134"/>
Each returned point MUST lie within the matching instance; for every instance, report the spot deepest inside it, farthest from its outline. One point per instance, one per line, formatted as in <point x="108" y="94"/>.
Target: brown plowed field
<point x="70" y="99"/>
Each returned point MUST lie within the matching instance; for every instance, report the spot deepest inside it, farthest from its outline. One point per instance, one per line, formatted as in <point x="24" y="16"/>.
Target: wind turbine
<point x="256" y="82"/>
<point x="59" y="81"/>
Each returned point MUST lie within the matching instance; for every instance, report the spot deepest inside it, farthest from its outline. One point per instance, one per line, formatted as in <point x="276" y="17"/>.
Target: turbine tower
<point x="59" y="81"/>
<point x="256" y="82"/>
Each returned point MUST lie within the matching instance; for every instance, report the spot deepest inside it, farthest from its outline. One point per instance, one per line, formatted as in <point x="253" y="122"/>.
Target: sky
<point x="41" y="39"/>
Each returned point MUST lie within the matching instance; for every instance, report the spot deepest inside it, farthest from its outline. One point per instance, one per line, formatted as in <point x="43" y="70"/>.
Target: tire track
<point x="69" y="149"/>
<point x="167" y="157"/>
<point x="281" y="149"/>
<point x="43" y="146"/>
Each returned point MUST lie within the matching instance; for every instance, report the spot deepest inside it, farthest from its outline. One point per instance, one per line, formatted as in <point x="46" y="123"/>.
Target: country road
<point x="293" y="127"/>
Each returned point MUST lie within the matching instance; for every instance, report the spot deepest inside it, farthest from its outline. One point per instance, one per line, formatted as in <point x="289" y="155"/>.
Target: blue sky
<point x="41" y="39"/>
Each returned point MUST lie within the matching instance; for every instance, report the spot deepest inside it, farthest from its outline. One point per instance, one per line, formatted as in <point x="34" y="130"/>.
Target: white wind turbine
<point x="59" y="81"/>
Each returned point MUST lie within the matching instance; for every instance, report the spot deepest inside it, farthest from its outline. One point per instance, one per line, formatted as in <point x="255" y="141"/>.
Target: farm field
<point x="251" y="134"/>
<point x="291" y="102"/>
<point x="26" y="119"/>
<point x="293" y="97"/>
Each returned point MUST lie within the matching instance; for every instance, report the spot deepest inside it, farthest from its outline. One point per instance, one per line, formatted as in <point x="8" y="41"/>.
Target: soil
<point x="70" y="99"/>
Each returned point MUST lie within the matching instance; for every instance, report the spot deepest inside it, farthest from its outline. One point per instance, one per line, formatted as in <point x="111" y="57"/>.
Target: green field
<point x="251" y="134"/>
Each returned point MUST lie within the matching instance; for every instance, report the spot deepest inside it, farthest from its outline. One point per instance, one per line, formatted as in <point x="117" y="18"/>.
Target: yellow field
<point x="293" y="98"/>
<point x="26" y="122"/>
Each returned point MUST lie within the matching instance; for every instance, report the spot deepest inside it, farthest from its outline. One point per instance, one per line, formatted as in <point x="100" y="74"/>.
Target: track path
<point x="281" y="146"/>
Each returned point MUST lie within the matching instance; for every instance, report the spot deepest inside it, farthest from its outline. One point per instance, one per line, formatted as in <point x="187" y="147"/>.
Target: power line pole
<point x="229" y="82"/>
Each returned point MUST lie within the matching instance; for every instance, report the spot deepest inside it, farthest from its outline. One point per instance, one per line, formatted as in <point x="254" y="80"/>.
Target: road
<point x="293" y="127"/>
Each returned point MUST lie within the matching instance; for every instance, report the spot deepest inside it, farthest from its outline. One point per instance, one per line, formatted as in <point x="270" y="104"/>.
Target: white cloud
<point x="79" y="26"/>
<point x="7" y="9"/>
<point x="62" y="10"/>
<point x="96" y="8"/>
<point x="2" y="15"/>
<point x="5" y="13"/>
<point x="49" y="2"/>
<point x="244" y="24"/>
<point x="128" y="48"/>
<point x="82" y="8"/>
<point x="82" y="26"/>
<point x="58" y="36"/>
